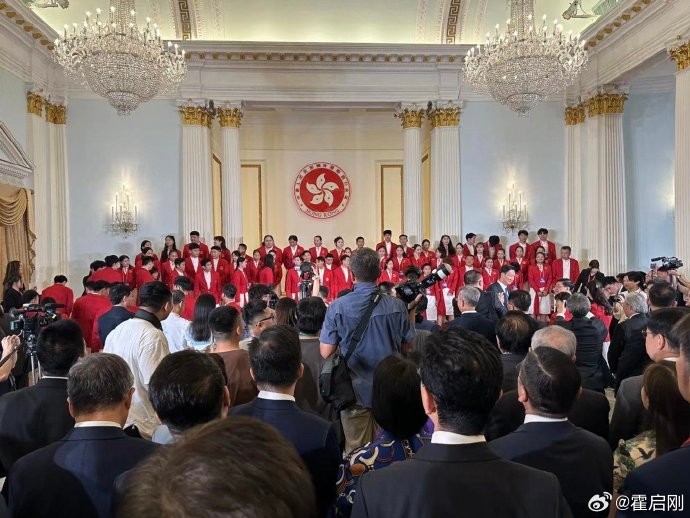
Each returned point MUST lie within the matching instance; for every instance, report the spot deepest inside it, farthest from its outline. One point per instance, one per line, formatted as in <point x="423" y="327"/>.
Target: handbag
<point x="335" y="383"/>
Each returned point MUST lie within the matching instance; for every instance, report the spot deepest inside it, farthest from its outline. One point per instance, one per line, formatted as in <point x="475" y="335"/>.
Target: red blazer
<point x="489" y="278"/>
<point x="430" y="256"/>
<point x="479" y="261"/>
<point x="325" y="279"/>
<point x="226" y="254"/>
<point x="339" y="283"/>
<point x="141" y="277"/>
<point x="85" y="311"/>
<point x="189" y="270"/>
<point x="288" y="256"/>
<point x="223" y="269"/>
<point x="239" y="279"/>
<point x="491" y="252"/>
<point x="108" y="275"/>
<point x="267" y="276"/>
<point x="390" y="252"/>
<point x="524" y="267"/>
<point x="189" y="303"/>
<point x="460" y="275"/>
<point x="201" y="286"/>
<point x="252" y="271"/>
<point x="408" y="251"/>
<point x="292" y="284"/>
<point x="518" y="282"/>
<point x="127" y="276"/>
<point x="513" y="247"/>
<point x="279" y="253"/>
<point x="400" y="266"/>
<point x="466" y="250"/>
<point x="418" y="263"/>
<point x="321" y="253"/>
<point x="535" y="278"/>
<point x="386" y="277"/>
<point x="337" y="256"/>
<point x="557" y="268"/>
<point x="137" y="261"/>
<point x="168" y="274"/>
<point x="203" y="251"/>
<point x="62" y="295"/>
<point x="436" y="292"/>
<point x="550" y="250"/>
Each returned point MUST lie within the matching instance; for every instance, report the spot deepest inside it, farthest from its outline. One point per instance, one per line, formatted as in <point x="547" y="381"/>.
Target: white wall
<point x="13" y="105"/>
<point x="498" y="148"/>
<point x="649" y="131"/>
<point x="105" y="151"/>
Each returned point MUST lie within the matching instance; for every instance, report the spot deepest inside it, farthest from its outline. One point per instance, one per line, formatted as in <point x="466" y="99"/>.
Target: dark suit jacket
<point x="74" y="476"/>
<point x="590" y="411"/>
<point x="495" y="289"/>
<point x="666" y="475"/>
<point x="314" y="439"/>
<point x="487" y="305"/>
<point x="582" y="461"/>
<point x="458" y="480"/>
<point x="581" y="282"/>
<point x="31" y="418"/>
<point x="110" y="320"/>
<point x="510" y="362"/>
<point x="627" y="353"/>
<point x="590" y="334"/>
<point x="477" y="323"/>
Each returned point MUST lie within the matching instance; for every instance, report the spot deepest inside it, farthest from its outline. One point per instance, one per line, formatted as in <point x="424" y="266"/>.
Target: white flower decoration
<point x="322" y="191"/>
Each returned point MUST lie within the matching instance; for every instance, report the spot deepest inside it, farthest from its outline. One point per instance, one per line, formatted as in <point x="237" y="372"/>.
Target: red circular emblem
<point x="322" y="190"/>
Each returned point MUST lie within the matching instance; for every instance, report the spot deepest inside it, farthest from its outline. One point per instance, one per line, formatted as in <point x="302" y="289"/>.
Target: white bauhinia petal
<point x="330" y="186"/>
<point x="317" y="199"/>
<point x="328" y="196"/>
<point x="321" y="180"/>
<point x="313" y="188"/>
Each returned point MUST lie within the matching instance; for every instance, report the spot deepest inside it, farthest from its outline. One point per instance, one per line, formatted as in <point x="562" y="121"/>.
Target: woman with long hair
<point x="286" y="312"/>
<point x="145" y="247"/>
<point x="168" y="247"/>
<point x="601" y="307"/>
<point x="668" y="423"/>
<point x="540" y="281"/>
<point x="588" y="275"/>
<point x="13" y="268"/>
<point x="267" y="272"/>
<point x="446" y="245"/>
<point x="12" y="297"/>
<point x="224" y="250"/>
<point x="198" y="335"/>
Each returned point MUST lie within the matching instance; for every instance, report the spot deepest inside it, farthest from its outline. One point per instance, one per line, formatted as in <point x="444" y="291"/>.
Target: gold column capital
<point x="606" y="104"/>
<point x="444" y="115"/>
<point x="410" y="117"/>
<point x="230" y="116"/>
<point x="35" y="103"/>
<point x="681" y="55"/>
<point x="196" y="116"/>
<point x="574" y="115"/>
<point x="56" y="113"/>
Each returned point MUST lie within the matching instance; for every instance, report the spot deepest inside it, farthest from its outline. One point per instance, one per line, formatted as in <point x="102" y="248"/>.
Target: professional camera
<point x="306" y="280"/>
<point x="672" y="263"/>
<point x="408" y="291"/>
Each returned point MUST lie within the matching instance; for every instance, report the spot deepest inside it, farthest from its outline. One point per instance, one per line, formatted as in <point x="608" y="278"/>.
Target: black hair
<point x="186" y="390"/>
<point x="662" y="322"/>
<point x="269" y="261"/>
<point x="286" y="312"/>
<point x="204" y="305"/>
<point x="365" y="265"/>
<point x="147" y="259"/>
<point x="177" y="297"/>
<point x="596" y="293"/>
<point x="110" y="260"/>
<point x="521" y="299"/>
<point x="275" y="356"/>
<point x="230" y="290"/>
<point x="396" y="400"/>
<point x="253" y="309"/>
<point x="523" y="233"/>
<point x="662" y="294"/>
<point x="194" y="233"/>
<point x="311" y="312"/>
<point x="567" y="283"/>
<point x="494" y="240"/>
<point x="118" y="291"/>
<point x="204" y="262"/>
<point x="514" y="330"/>
<point x="154" y="295"/>
<point x="292" y="237"/>
<point x="551" y="379"/>
<point x="462" y="371"/>
<point x="29" y="295"/>
<point x="506" y="268"/>
<point x="193" y="246"/>
<point x="179" y="261"/>
<point x="143" y="244"/>
<point x="59" y="345"/>
<point x="636" y="277"/>
<point x="543" y="231"/>
<point x="221" y="239"/>
<point x="184" y="283"/>
<point x="323" y="292"/>
<point x="122" y="258"/>
<point x="59" y="279"/>
<point x="594" y="264"/>
<point x="223" y="321"/>
<point x="97" y="265"/>
<point x="258" y="291"/>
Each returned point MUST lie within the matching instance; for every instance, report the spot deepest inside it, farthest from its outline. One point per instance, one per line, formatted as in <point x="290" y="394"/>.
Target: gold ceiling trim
<point x="312" y="57"/>
<point x="185" y="18"/>
<point x="451" y="34"/>
<point x="621" y="20"/>
<point x="28" y="27"/>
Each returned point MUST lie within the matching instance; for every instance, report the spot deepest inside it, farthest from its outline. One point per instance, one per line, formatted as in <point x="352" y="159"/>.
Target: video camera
<point x="672" y="263"/>
<point x="306" y="280"/>
<point x="28" y="321"/>
<point x="408" y="291"/>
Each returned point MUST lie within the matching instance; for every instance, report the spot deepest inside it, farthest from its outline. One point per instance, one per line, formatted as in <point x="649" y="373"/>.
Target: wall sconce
<point x="514" y="213"/>
<point x="123" y="214"/>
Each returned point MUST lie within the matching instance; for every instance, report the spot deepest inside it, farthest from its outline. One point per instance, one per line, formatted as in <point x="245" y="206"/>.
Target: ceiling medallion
<point x="524" y="65"/>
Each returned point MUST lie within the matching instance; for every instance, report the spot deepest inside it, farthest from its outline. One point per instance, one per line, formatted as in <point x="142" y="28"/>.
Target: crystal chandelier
<point x="515" y="213"/>
<point x="119" y="61"/>
<point x="525" y="64"/>
<point x="123" y="215"/>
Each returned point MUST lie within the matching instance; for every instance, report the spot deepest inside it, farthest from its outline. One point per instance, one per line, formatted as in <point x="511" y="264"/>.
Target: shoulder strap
<point x="363" y="323"/>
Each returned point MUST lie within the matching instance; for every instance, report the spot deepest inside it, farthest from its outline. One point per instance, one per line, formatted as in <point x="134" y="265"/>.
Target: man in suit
<point x="461" y="381"/>
<point x="668" y="474"/>
<point x="121" y="297"/>
<point x="590" y="334"/>
<point x="627" y="354"/>
<point x="548" y="385"/>
<point x="276" y="365"/>
<point x="469" y="318"/>
<point x="36" y="416"/>
<point x="589" y="411"/>
<point x="500" y="289"/>
<point x="488" y="303"/>
<point x="75" y="476"/>
<point x="629" y="416"/>
<point x="514" y="333"/>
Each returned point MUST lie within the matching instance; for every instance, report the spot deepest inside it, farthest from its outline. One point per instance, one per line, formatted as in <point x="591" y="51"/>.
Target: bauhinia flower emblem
<point x="322" y="190"/>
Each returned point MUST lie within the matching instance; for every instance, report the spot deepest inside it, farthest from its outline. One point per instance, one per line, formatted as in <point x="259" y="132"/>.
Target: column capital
<point x="609" y="100"/>
<point x="230" y="115"/>
<point x="679" y="50"/>
<point x="195" y="113"/>
<point x="35" y="103"/>
<point x="574" y="115"/>
<point x="56" y="113"/>
<point x="444" y="114"/>
<point x="410" y="115"/>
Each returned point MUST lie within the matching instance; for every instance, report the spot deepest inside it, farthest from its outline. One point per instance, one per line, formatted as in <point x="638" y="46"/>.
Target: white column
<point x="411" y="118"/>
<point x="446" y="210"/>
<point x="230" y="118"/>
<point x="590" y="189"/>
<point x="574" y="117"/>
<point x="36" y="144"/>
<point x="681" y="55"/>
<point x="56" y="115"/>
<point x="197" y="181"/>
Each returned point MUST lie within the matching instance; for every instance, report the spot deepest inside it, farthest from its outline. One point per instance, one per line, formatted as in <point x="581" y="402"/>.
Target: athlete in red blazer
<point x="143" y="275"/>
<point x="269" y="245"/>
<point x="540" y="280"/>
<point x="557" y="266"/>
<point x="291" y="251"/>
<point x="253" y="266"/>
<point x="221" y="266"/>
<point x="191" y="269"/>
<point x="292" y="282"/>
<point x="211" y="285"/>
<point x="239" y="279"/>
<point x="489" y="273"/>
<point x="388" y="276"/>
<point x="126" y="271"/>
<point x="61" y="294"/>
<point x="167" y="270"/>
<point x="522" y="243"/>
<point x="400" y="261"/>
<point x="549" y="246"/>
<point x="342" y="278"/>
<point x="338" y="252"/>
<point x="194" y="238"/>
<point x="318" y="250"/>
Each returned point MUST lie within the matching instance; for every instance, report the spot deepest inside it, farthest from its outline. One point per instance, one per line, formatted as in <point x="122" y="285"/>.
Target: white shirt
<point x="275" y="396"/>
<point x="195" y="263"/>
<point x="207" y="278"/>
<point x="174" y="328"/>
<point x="215" y="264"/>
<point x="534" y="418"/>
<point x="142" y="346"/>
<point x="566" y="268"/>
<point x="87" y="424"/>
<point x="441" y="437"/>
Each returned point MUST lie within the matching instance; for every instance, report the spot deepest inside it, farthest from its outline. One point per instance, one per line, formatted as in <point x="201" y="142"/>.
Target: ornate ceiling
<point x="333" y="21"/>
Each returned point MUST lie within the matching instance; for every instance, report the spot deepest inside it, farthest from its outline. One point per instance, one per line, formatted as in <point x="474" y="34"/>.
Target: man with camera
<point x="389" y="329"/>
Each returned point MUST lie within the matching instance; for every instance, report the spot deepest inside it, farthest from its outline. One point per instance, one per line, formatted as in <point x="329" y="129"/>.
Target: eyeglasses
<point x="272" y="317"/>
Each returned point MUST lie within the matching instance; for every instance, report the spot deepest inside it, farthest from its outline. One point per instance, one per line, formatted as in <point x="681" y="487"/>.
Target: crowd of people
<point x="191" y="383"/>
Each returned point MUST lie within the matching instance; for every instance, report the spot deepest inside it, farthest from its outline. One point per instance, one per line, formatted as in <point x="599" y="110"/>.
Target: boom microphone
<point x="655" y="259"/>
